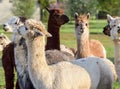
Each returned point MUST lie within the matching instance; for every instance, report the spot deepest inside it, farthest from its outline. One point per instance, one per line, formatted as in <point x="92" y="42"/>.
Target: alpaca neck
<point x="37" y="66"/>
<point x="83" y="47"/>
<point x="54" y="41"/>
<point x="117" y="49"/>
<point x="36" y="52"/>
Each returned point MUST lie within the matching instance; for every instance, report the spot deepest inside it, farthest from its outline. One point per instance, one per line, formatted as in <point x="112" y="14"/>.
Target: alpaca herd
<point x="45" y="76"/>
<point x="45" y="64"/>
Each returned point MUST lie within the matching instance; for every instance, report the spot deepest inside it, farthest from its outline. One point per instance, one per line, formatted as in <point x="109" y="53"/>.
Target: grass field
<point x="68" y="38"/>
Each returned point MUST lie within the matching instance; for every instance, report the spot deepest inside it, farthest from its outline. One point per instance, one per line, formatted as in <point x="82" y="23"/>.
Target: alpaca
<point x="8" y="64"/>
<point x="4" y="41"/>
<point x="7" y="61"/>
<point x="57" y="18"/>
<point x="114" y="26"/>
<point x="86" y="47"/>
<point x="45" y="76"/>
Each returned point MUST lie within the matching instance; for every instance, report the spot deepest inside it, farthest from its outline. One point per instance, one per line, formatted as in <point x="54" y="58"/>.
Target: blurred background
<point x="36" y="8"/>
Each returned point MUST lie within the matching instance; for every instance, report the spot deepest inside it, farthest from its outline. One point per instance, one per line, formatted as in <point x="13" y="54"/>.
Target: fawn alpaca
<point x="85" y="46"/>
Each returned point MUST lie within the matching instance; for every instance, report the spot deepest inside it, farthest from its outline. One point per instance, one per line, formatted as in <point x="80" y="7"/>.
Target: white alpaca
<point x="87" y="47"/>
<point x="114" y="24"/>
<point x="4" y="41"/>
<point x="63" y="75"/>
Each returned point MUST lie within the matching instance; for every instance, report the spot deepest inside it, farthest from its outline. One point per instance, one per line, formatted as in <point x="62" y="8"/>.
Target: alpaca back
<point x="100" y="72"/>
<point x="97" y="48"/>
<point x="55" y="56"/>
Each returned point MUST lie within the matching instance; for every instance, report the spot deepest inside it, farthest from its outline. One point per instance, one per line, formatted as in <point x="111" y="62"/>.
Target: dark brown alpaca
<point x="56" y="19"/>
<point x="8" y="66"/>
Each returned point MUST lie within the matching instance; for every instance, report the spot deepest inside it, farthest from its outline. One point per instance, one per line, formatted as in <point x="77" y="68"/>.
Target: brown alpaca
<point x="8" y="66"/>
<point x="56" y="19"/>
<point x="85" y="46"/>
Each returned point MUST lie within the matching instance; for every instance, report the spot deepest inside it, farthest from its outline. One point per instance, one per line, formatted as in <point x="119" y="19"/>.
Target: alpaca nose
<point x="118" y="31"/>
<point x="66" y="18"/>
<point x="4" y="25"/>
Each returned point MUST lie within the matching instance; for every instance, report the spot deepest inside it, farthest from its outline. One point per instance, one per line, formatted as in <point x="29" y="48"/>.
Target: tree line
<point x="97" y="8"/>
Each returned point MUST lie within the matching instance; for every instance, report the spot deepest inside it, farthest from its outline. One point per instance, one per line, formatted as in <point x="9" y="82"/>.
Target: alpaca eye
<point x="16" y="23"/>
<point x="86" y="24"/>
<point x="26" y="28"/>
<point x="77" y="24"/>
<point x="114" y="25"/>
<point x="57" y="15"/>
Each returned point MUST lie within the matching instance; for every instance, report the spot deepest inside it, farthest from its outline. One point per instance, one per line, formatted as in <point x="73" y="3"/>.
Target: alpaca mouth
<point x="106" y="30"/>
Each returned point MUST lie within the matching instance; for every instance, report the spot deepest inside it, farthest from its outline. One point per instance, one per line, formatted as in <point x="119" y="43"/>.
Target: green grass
<point x="68" y="38"/>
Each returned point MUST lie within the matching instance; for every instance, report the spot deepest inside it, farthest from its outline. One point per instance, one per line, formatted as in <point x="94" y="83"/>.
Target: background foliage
<point x="23" y="8"/>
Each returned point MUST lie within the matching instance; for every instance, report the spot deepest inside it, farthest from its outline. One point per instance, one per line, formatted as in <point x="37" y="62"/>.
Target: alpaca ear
<point x="88" y="15"/>
<point x="76" y="15"/>
<point x="48" y="34"/>
<point x="109" y="18"/>
<point x="47" y="9"/>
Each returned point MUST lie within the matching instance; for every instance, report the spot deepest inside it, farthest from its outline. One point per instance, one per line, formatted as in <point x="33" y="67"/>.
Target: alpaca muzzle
<point x="106" y="30"/>
<point x="118" y="31"/>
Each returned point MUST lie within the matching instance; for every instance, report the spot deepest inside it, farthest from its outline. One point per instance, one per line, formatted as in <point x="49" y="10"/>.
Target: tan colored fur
<point x="85" y="46"/>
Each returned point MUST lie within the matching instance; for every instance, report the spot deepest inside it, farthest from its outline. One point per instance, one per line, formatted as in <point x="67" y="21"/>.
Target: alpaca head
<point x="3" y="41"/>
<point x="81" y="24"/>
<point x="57" y="17"/>
<point x="114" y="24"/>
<point x="32" y="29"/>
<point x="13" y="23"/>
